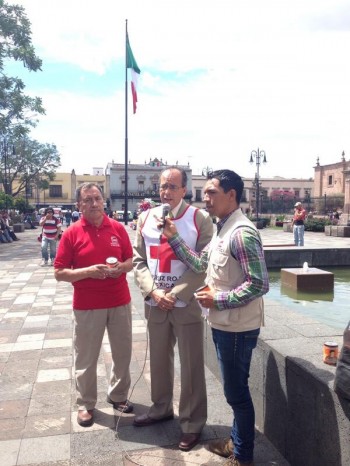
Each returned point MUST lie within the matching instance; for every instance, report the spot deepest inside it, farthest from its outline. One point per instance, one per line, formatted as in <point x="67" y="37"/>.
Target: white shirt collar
<point x="176" y="209"/>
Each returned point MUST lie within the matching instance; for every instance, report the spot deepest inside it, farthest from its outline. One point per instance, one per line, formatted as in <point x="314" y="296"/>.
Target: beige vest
<point x="224" y="273"/>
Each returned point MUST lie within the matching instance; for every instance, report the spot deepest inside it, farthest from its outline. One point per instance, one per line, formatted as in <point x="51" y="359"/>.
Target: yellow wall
<point x="68" y="182"/>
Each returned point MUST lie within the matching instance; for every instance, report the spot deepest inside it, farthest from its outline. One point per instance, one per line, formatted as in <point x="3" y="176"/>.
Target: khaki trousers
<point x="193" y="396"/>
<point x="89" y="328"/>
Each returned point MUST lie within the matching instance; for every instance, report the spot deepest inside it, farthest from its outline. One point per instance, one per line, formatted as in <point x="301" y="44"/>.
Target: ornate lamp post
<point x="307" y="198"/>
<point x="206" y="170"/>
<point x="260" y="157"/>
<point x="282" y="203"/>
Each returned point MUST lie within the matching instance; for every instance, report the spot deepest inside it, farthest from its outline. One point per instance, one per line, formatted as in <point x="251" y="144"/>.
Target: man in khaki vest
<point x="236" y="280"/>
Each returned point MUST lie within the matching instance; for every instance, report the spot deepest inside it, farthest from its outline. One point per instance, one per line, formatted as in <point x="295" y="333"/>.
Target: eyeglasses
<point x="91" y="200"/>
<point x="171" y="187"/>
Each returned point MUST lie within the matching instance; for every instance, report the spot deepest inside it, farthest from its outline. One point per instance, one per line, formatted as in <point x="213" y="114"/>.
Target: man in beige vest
<point x="173" y="314"/>
<point x="237" y="279"/>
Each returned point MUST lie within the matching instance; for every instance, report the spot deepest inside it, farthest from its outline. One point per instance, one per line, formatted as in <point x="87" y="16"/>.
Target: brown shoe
<point x="188" y="441"/>
<point x="144" y="420"/>
<point x="232" y="461"/>
<point x="123" y="406"/>
<point x="222" y="447"/>
<point x="85" y="417"/>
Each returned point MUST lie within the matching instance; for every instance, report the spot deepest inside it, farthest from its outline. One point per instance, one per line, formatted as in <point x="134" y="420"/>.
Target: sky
<point x="219" y="79"/>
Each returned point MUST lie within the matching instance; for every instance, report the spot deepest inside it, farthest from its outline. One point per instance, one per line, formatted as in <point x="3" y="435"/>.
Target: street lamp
<point x="206" y="170"/>
<point x="282" y="204"/>
<point x="262" y="202"/>
<point x="307" y="198"/>
<point x="260" y="157"/>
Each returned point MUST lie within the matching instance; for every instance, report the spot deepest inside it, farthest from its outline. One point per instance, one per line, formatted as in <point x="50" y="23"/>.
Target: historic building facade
<point x="332" y="182"/>
<point x="329" y="189"/>
<point x="276" y="194"/>
<point x="61" y="191"/>
<point x="142" y="182"/>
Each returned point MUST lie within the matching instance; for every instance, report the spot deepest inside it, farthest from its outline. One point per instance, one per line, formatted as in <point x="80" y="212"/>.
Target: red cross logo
<point x="164" y="254"/>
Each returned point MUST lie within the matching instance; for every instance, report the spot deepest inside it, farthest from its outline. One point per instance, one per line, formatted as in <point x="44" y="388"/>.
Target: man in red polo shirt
<point x="101" y="299"/>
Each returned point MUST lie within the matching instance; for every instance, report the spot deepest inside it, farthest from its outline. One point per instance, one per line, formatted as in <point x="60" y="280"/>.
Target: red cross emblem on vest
<point x="164" y="254"/>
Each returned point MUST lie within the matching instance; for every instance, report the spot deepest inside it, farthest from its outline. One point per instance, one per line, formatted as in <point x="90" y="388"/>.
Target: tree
<point x="20" y="204"/>
<point x="22" y="159"/>
<point x="6" y="201"/>
<point x="33" y="161"/>
<point x="16" y="109"/>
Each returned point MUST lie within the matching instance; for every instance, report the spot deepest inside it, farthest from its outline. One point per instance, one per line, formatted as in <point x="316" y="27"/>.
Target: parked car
<point x="120" y="215"/>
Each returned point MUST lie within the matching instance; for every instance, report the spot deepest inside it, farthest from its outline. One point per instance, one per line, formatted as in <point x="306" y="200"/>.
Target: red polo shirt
<point x="83" y="245"/>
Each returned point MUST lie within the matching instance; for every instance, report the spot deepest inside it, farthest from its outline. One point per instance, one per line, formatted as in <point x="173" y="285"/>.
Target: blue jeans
<point x="47" y="243"/>
<point x="234" y="351"/>
<point x="298" y="231"/>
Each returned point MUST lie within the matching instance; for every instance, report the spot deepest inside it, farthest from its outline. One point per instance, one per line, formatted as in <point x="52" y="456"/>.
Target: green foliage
<point x="16" y="108"/>
<point x="316" y="224"/>
<point x="20" y="204"/>
<point x="31" y="161"/>
<point x="6" y="201"/>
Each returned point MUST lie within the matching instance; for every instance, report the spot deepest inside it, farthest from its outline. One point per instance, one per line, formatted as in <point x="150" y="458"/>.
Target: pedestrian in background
<point x="68" y="217"/>
<point x="299" y="224"/>
<point x="51" y="229"/>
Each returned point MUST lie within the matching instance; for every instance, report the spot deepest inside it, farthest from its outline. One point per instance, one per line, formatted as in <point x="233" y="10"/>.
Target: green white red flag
<point x="135" y="72"/>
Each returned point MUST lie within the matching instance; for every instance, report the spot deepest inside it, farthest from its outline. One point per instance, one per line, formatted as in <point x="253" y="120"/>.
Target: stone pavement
<point x="37" y="400"/>
<point x="312" y="240"/>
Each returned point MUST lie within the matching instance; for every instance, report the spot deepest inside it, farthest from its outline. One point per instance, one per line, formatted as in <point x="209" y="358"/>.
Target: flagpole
<point x="126" y="128"/>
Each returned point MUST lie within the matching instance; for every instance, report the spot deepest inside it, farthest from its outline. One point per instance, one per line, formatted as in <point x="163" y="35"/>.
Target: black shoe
<point x="123" y="406"/>
<point x="144" y="420"/>
<point x="85" y="418"/>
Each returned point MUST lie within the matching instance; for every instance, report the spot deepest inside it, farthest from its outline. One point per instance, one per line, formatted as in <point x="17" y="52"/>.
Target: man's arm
<point x="247" y="249"/>
<point x="142" y="273"/>
<point x="191" y="280"/>
<point x="196" y="260"/>
<point x="99" y="271"/>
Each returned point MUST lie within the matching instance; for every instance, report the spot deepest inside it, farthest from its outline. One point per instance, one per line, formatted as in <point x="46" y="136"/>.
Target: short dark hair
<point x="49" y="209"/>
<point x="228" y="179"/>
<point x="182" y="172"/>
<point x="83" y="186"/>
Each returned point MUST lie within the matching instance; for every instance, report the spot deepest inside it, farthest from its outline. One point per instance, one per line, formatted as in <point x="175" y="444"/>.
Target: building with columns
<point x="332" y="183"/>
<point x="142" y="182"/>
<point x="277" y="193"/>
<point x="329" y="190"/>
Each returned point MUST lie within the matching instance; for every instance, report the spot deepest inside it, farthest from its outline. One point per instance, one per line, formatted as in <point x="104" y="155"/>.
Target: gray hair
<point x="83" y="187"/>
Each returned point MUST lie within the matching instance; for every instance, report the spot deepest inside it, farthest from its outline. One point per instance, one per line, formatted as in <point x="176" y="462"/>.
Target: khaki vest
<point x="224" y="273"/>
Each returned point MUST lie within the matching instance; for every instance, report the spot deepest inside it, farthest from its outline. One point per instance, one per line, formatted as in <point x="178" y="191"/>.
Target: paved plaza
<point x="37" y="400"/>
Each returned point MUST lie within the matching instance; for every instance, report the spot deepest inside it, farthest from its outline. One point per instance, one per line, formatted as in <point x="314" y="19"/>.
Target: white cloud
<point x="219" y="79"/>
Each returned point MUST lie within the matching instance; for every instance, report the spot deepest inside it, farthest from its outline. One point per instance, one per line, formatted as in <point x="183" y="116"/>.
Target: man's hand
<point x="165" y="301"/>
<point x="99" y="271"/>
<point x="169" y="229"/>
<point x="206" y="298"/>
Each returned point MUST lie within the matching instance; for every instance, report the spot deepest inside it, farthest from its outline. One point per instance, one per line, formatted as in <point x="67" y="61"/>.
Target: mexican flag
<point x="135" y="72"/>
